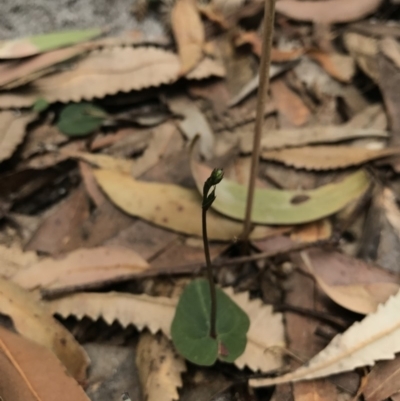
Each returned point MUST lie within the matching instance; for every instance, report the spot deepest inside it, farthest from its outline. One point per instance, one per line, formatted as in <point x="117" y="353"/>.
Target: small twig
<point x="261" y="100"/>
<point x="208" y="198"/>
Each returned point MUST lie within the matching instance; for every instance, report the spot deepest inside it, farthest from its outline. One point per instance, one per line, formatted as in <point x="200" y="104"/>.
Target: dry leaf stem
<point x="261" y="100"/>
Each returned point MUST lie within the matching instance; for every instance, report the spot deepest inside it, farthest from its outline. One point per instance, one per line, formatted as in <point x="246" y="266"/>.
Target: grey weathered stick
<point x="261" y="100"/>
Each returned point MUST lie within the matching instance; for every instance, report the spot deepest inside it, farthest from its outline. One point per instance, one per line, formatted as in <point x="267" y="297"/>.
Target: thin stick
<point x="261" y="100"/>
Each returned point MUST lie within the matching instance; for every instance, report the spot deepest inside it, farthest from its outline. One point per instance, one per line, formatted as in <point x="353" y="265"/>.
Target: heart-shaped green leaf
<point x="190" y="328"/>
<point x="80" y="119"/>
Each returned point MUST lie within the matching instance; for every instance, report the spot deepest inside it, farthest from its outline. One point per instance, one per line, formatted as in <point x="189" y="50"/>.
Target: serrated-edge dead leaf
<point x="12" y="131"/>
<point x="361" y="298"/>
<point x="188" y="32"/>
<point x="32" y="320"/>
<point x="82" y="267"/>
<point x="31" y="372"/>
<point x="159" y="367"/>
<point x="168" y="205"/>
<point x="276" y="139"/>
<point x="327" y="12"/>
<point x="375" y="338"/>
<point x="326" y="157"/>
<point x="265" y="336"/>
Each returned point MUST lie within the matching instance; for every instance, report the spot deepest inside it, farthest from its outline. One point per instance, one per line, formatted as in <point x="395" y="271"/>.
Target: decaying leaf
<point x="375" y="338"/>
<point x="329" y="11"/>
<point x="13" y="259"/>
<point x="188" y="32"/>
<point x="160" y="368"/>
<point x="12" y="131"/>
<point x="30" y="372"/>
<point x="327" y="157"/>
<point x="32" y="320"/>
<point x="383" y="380"/>
<point x="81" y="268"/>
<point x="168" y="205"/>
<point x="25" y="47"/>
<point x="17" y="73"/>
<point x="390" y="47"/>
<point x="193" y="123"/>
<point x="273" y="206"/>
<point x="276" y="139"/>
<point x="265" y="336"/>
<point x="361" y="298"/>
<point x="107" y="72"/>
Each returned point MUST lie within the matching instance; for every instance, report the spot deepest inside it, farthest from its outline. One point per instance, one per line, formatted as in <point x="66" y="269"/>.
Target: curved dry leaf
<point x="188" y="32"/>
<point x="12" y="131"/>
<point x="390" y="47"/>
<point x="205" y="69"/>
<point x="361" y="298"/>
<point x="275" y="206"/>
<point x="327" y="12"/>
<point x="376" y="337"/>
<point x="265" y="336"/>
<point x="276" y="139"/>
<point x="159" y="368"/>
<point x="326" y="157"/>
<point x="169" y="206"/>
<point x="32" y="320"/>
<point x="82" y="268"/>
<point x="30" y="372"/>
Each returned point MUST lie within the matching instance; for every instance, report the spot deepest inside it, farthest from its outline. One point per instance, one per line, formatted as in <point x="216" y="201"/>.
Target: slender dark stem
<point x="213" y="292"/>
<point x="261" y="100"/>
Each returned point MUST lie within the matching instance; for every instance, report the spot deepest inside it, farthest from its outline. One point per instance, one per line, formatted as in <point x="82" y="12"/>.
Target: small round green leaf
<point x="190" y="328"/>
<point x="80" y="119"/>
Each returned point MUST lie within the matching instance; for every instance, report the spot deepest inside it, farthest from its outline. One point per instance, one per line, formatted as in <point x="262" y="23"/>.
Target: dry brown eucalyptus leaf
<point x="361" y="298"/>
<point x="265" y="336"/>
<point x="329" y="11"/>
<point x="30" y="372"/>
<point x="81" y="268"/>
<point x="188" y="32"/>
<point x="12" y="131"/>
<point x="375" y="338"/>
<point x="32" y="320"/>
<point x="326" y="157"/>
<point x="160" y="368"/>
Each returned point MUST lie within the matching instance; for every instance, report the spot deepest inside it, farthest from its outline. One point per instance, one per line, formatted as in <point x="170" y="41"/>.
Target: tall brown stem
<point x="261" y="100"/>
<point x="213" y="292"/>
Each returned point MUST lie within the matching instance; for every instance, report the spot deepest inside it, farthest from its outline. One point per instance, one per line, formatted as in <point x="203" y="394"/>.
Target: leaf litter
<point x="118" y="210"/>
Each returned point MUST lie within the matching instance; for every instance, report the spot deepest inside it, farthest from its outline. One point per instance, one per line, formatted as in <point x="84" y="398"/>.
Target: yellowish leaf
<point x="159" y="367"/>
<point x="265" y="336"/>
<point x="30" y="372"/>
<point x="80" y="268"/>
<point x="188" y="32"/>
<point x="32" y="320"/>
<point x="169" y="206"/>
<point x="12" y="131"/>
<point x="326" y="157"/>
<point x="376" y="337"/>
